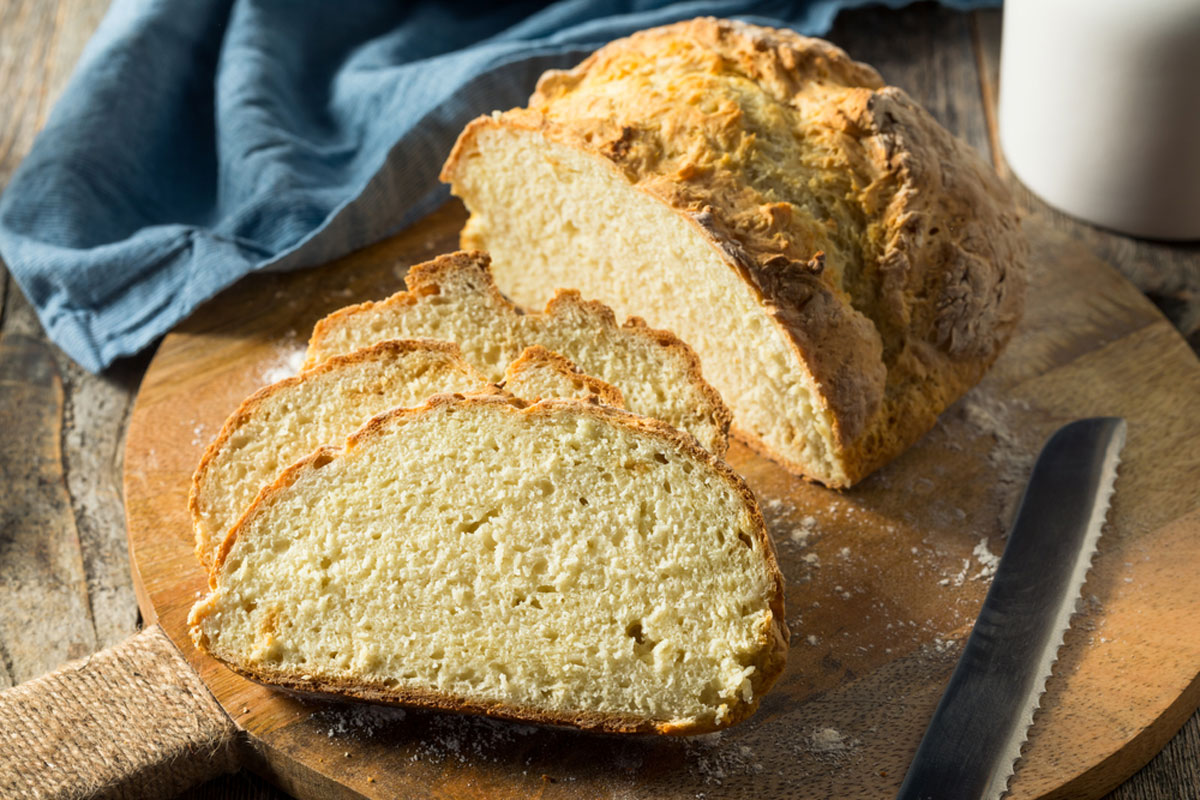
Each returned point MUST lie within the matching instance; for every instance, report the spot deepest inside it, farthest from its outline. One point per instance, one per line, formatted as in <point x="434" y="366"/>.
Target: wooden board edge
<point x="130" y="489"/>
<point x="1122" y="765"/>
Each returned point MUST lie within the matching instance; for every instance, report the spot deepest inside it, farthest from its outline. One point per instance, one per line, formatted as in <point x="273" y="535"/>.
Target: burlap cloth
<point x="133" y="721"/>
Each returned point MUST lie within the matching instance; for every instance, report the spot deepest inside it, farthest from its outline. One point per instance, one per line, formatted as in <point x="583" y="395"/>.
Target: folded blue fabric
<point x="199" y="141"/>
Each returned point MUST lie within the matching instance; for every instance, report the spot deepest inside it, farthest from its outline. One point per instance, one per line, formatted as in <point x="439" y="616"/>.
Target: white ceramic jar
<point x="1100" y="110"/>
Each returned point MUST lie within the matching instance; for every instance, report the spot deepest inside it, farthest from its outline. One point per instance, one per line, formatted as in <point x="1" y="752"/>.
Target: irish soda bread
<point x="281" y="423"/>
<point x="844" y="267"/>
<point x="453" y="298"/>
<point x="563" y="562"/>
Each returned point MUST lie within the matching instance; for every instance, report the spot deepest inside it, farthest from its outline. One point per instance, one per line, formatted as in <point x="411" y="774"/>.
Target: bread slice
<point x="281" y="423"/>
<point x="844" y="267"/>
<point x="453" y="298"/>
<point x="564" y="563"/>
<point x="539" y="374"/>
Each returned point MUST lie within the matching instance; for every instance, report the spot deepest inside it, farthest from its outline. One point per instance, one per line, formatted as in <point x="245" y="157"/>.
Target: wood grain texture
<point x="43" y="576"/>
<point x="42" y="41"/>
<point x="28" y="28"/>
<point x="91" y="422"/>
<point x="922" y="48"/>
<point x="884" y="580"/>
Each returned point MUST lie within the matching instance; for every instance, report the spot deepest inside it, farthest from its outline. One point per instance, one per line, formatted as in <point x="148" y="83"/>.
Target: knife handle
<point x="133" y="721"/>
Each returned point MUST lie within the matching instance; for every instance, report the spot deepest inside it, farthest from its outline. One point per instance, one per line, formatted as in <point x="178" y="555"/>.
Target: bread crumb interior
<point x="545" y="560"/>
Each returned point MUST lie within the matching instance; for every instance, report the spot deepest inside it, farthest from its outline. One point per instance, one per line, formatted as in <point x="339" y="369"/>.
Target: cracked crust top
<point x="888" y="251"/>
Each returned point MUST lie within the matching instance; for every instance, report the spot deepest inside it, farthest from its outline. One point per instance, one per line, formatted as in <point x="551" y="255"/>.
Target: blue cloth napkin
<point x="202" y="140"/>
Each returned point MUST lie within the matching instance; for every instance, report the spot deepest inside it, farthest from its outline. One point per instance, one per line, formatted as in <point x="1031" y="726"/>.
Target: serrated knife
<point x="975" y="737"/>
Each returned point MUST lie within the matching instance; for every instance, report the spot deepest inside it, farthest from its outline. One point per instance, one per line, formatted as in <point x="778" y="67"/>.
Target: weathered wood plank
<point x="26" y="30"/>
<point x="96" y="413"/>
<point x="1168" y="273"/>
<point x="45" y="618"/>
<point x="5" y="279"/>
<point x="93" y="414"/>
<point x="39" y="44"/>
<point x="42" y="42"/>
<point x="1172" y="774"/>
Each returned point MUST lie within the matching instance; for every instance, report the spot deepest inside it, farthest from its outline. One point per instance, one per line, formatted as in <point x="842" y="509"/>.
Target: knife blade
<point x="975" y="737"/>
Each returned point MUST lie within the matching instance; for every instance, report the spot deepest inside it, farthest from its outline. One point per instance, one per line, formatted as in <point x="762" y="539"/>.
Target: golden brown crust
<point x="759" y="137"/>
<point x="473" y="269"/>
<point x="534" y="356"/>
<point x="393" y="348"/>
<point x="421" y="281"/>
<point x="774" y="636"/>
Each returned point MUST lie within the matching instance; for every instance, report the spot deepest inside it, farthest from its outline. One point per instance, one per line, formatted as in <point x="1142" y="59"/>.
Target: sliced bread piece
<point x="281" y="423"/>
<point x="539" y="374"/>
<point x="454" y="298"/>
<point x="564" y="562"/>
<point x="844" y="267"/>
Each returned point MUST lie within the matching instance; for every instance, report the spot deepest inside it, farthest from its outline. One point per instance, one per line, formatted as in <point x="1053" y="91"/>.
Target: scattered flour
<point x="464" y="738"/>
<point x="199" y="434"/>
<point x="285" y="367"/>
<point x="958" y="579"/>
<point x="716" y="759"/>
<point x="1015" y="443"/>
<point x="828" y="740"/>
<point x="941" y="645"/>
<point x="987" y="559"/>
<point x="358" y="721"/>
<point x="806" y="528"/>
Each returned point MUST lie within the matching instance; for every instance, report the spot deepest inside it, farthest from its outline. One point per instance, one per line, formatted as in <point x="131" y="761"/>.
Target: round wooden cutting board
<point x="884" y="580"/>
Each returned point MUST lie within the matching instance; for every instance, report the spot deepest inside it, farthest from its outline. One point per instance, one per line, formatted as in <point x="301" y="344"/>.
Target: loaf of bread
<point x="280" y="424"/>
<point x="844" y="267"/>
<point x="453" y="298"/>
<point x="562" y="562"/>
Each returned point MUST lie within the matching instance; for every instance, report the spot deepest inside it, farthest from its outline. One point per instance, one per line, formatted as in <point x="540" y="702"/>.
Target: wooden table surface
<point x="65" y="588"/>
